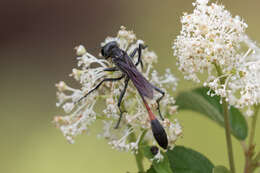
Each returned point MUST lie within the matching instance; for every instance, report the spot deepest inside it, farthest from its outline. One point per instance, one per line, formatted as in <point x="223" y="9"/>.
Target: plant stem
<point x="250" y="164"/>
<point x="139" y="155"/>
<point x="226" y="122"/>
<point x="253" y="126"/>
<point x="257" y="156"/>
<point x="244" y="146"/>
<point x="228" y="136"/>
<point x="139" y="162"/>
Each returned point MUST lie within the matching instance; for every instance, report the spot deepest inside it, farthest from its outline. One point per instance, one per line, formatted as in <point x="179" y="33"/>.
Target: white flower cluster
<point x="135" y="125"/>
<point x="211" y="38"/>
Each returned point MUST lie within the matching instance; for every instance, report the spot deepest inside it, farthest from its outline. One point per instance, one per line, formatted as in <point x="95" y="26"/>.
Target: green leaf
<point x="199" y="101"/>
<point x="162" y="166"/>
<point x="151" y="170"/>
<point x="220" y="169"/>
<point x="185" y="160"/>
<point x="147" y="151"/>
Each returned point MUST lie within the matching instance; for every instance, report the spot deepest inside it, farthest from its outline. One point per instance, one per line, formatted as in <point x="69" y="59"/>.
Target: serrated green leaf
<point x="185" y="160"/>
<point x="199" y="101"/>
<point x="220" y="169"/>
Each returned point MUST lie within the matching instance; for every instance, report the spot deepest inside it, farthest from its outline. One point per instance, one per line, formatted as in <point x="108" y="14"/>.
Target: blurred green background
<point x="36" y="50"/>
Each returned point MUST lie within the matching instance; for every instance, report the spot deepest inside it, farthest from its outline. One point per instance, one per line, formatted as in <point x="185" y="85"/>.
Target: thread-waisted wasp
<point x="124" y="63"/>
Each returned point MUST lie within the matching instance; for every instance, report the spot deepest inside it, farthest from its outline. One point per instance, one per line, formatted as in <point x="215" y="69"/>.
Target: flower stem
<point x="250" y="164"/>
<point x="139" y="157"/>
<point x="226" y="122"/>
<point x="228" y="136"/>
<point x="139" y="162"/>
<point x="257" y="156"/>
<point x="253" y="125"/>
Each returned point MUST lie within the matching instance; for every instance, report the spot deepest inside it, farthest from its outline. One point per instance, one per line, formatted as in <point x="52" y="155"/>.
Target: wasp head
<point x="106" y="50"/>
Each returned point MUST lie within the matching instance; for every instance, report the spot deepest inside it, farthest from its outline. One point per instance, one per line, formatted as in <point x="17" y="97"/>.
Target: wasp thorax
<point x="106" y="50"/>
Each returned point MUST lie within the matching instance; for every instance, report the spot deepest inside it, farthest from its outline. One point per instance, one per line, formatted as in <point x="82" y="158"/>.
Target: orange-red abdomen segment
<point x="150" y="113"/>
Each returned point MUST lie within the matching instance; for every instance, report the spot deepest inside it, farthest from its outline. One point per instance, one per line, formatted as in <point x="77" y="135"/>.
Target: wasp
<point x="124" y="63"/>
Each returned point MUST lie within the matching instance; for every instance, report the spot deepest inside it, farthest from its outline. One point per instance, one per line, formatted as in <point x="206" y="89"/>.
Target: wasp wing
<point x="144" y="87"/>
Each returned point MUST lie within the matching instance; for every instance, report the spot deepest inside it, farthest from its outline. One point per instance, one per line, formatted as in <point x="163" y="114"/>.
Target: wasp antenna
<point x="159" y="133"/>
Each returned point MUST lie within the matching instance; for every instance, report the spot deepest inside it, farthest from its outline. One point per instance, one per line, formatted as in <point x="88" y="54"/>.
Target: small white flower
<point x="68" y="107"/>
<point x="80" y="50"/>
<point x="61" y="86"/>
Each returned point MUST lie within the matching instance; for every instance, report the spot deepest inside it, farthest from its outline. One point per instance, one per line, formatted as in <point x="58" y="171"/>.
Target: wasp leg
<point x="120" y="100"/>
<point x="111" y="69"/>
<point x="159" y="99"/>
<point x="104" y="80"/>
<point x="139" y="49"/>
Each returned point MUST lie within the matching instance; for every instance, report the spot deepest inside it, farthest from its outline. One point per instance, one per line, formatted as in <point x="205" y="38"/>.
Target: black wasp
<point x="123" y="62"/>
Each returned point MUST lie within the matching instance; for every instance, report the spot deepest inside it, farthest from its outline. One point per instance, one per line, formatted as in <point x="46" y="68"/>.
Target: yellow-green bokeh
<point x="37" y="51"/>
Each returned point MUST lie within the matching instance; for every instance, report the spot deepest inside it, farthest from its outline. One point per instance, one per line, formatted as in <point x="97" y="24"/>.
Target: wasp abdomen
<point x="159" y="133"/>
